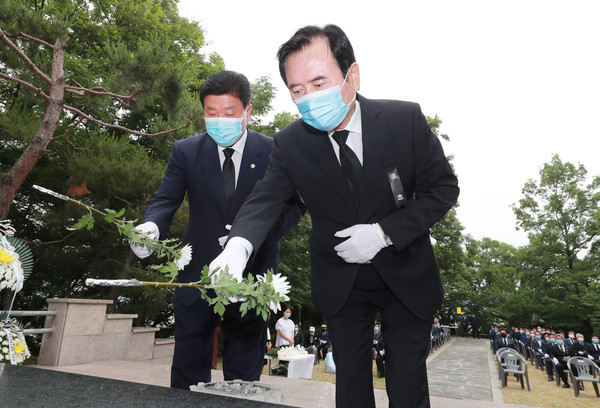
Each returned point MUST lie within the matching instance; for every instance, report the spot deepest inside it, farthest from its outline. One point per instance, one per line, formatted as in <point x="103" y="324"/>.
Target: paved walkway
<point x="462" y="374"/>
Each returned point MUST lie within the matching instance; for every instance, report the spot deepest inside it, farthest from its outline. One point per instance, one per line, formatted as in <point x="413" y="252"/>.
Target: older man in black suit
<point x="560" y="354"/>
<point x="593" y="350"/>
<point x="375" y="179"/>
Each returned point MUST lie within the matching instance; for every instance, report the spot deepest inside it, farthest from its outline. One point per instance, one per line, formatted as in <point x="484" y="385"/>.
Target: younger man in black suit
<point x="217" y="170"/>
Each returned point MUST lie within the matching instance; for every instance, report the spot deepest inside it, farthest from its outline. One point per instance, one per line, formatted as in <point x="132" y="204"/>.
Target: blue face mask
<point x="552" y="340"/>
<point x="595" y="341"/>
<point x="559" y="342"/>
<point x="287" y="315"/>
<point x="225" y="131"/>
<point x="295" y="330"/>
<point x="324" y="110"/>
<point x="538" y="337"/>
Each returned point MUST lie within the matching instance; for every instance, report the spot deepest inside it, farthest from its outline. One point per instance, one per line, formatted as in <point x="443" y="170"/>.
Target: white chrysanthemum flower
<point x="281" y="286"/>
<point x="186" y="257"/>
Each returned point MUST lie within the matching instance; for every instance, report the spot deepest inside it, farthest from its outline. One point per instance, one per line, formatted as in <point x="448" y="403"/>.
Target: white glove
<point x="234" y="256"/>
<point x="140" y="250"/>
<point x="546" y="356"/>
<point x="364" y="242"/>
<point x="382" y="352"/>
<point x="223" y="239"/>
<point x="555" y="361"/>
<point x="590" y="357"/>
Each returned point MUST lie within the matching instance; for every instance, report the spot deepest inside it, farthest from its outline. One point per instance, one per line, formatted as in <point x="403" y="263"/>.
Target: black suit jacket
<point x="591" y="350"/>
<point x="499" y="343"/>
<point x="394" y="134"/>
<point x="555" y="352"/>
<point x="194" y="168"/>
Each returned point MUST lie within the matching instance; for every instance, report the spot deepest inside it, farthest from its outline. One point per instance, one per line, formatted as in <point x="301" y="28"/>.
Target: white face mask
<point x="580" y="339"/>
<point x="571" y="336"/>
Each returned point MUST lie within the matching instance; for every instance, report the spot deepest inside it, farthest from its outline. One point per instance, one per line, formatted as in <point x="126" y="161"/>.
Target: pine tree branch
<point x="69" y="131"/>
<point x="22" y="36"/>
<point x="24" y="57"/>
<point x="38" y="91"/>
<point x="81" y="91"/>
<point x="124" y="129"/>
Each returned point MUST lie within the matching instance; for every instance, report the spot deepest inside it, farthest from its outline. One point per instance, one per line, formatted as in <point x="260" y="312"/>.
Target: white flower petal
<point x="186" y="257"/>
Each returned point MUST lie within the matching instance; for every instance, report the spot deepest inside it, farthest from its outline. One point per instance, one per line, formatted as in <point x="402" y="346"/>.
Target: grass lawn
<point x="546" y="394"/>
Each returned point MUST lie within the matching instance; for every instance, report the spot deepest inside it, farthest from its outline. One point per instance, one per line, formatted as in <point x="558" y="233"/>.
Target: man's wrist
<point x="244" y="243"/>
<point x="386" y="238"/>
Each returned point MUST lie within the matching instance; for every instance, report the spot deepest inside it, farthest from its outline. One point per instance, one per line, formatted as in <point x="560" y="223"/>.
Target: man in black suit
<point x="475" y="325"/>
<point x="298" y="336"/>
<point x="375" y="180"/>
<point x="504" y="341"/>
<point x="593" y="350"/>
<point x="579" y="348"/>
<point x="537" y="344"/>
<point x="217" y="170"/>
<point x="549" y="342"/>
<point x="560" y="354"/>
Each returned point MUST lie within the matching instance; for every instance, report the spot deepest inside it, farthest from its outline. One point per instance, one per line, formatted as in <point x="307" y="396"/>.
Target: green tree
<point x="560" y="213"/>
<point x="448" y="242"/>
<point x="132" y="48"/>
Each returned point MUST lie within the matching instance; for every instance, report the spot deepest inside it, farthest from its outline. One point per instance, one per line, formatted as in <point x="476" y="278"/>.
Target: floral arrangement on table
<point x="16" y="263"/>
<point x="289" y="351"/>
<point x="286" y="351"/>
<point x="261" y="293"/>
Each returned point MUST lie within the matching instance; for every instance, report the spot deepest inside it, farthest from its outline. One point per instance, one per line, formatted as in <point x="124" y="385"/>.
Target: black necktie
<point x="228" y="177"/>
<point x="350" y="164"/>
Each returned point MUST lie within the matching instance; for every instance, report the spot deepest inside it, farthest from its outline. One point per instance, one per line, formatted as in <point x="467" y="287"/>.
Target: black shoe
<point x="550" y="378"/>
<point x="566" y="385"/>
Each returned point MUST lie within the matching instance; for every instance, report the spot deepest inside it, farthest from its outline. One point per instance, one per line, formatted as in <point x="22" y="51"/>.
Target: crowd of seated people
<point x="550" y="349"/>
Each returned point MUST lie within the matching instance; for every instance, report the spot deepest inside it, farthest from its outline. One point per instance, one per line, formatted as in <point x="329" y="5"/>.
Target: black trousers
<point x="561" y="367"/>
<point x="244" y="341"/>
<point x="406" y="346"/>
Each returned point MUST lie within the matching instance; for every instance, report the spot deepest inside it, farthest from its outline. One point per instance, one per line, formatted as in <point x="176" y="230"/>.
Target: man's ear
<point x="354" y="76"/>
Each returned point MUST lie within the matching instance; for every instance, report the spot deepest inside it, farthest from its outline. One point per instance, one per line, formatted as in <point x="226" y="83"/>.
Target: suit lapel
<point x="325" y="157"/>
<point x="373" y="139"/>
<point x="212" y="170"/>
<point x="248" y="172"/>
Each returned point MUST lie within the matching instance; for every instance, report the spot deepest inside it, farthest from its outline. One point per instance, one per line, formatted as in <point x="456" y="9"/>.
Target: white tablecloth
<point x="300" y="366"/>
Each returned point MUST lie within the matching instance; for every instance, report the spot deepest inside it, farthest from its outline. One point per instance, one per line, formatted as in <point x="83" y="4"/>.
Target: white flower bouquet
<point x="13" y="348"/>
<point x="10" y="268"/>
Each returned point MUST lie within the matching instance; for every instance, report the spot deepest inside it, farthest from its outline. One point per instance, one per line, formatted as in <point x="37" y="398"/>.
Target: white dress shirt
<point x="354" y="141"/>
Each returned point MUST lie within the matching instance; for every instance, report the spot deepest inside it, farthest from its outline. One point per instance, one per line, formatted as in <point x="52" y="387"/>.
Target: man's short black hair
<point x="226" y="83"/>
<point x="339" y="44"/>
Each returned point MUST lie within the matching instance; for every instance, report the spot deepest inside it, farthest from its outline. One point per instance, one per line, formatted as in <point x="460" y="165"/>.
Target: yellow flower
<point x="6" y="257"/>
<point x="20" y="347"/>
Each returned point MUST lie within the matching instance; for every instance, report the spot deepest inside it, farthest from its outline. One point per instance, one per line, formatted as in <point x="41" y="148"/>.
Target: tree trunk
<point x="12" y="180"/>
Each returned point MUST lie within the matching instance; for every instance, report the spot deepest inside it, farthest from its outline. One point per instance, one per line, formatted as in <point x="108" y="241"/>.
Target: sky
<point x="514" y="82"/>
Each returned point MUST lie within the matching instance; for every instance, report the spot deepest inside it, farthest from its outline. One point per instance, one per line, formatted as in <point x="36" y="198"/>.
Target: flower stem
<point x="173" y="284"/>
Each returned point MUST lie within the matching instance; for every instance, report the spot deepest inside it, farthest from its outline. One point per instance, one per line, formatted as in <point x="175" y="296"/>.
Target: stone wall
<point x="83" y="333"/>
